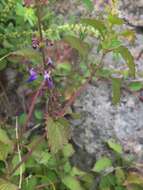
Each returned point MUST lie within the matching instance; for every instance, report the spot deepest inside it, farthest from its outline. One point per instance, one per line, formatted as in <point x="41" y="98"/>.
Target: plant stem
<point x="19" y="153"/>
<point x="40" y="31"/>
<point x="32" y="106"/>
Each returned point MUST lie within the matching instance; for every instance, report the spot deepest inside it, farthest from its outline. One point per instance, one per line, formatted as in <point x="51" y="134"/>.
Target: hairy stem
<point x="32" y="106"/>
<point x="38" y="7"/>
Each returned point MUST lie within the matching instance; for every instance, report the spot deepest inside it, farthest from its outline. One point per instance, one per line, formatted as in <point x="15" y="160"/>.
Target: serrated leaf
<point x="107" y="182"/>
<point x="4" y="137"/>
<point x="120" y="175"/>
<point x="67" y="167"/>
<point x="115" y="146"/>
<point x="136" y="86"/>
<point x="116" y="89"/>
<point x="102" y="164"/>
<point x="115" y="20"/>
<point x="134" y="178"/>
<point x="4" y="150"/>
<point x="127" y="56"/>
<point x="6" y="185"/>
<point x="29" y="53"/>
<point x="72" y="183"/>
<point x="97" y="24"/>
<point x="57" y="135"/>
<point x="68" y="150"/>
<point x="6" y="145"/>
<point x="42" y="157"/>
<point x="78" y="44"/>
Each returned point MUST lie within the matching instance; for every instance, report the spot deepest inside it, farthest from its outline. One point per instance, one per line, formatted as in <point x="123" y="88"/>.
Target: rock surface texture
<point x="100" y="120"/>
<point x="132" y="11"/>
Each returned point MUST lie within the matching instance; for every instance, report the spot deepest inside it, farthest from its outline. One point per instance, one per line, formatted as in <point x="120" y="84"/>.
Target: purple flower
<point x="33" y="75"/>
<point x="49" y="61"/>
<point x="48" y="80"/>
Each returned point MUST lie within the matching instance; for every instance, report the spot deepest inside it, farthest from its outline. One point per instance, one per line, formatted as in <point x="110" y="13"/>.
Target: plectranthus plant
<point x="35" y="152"/>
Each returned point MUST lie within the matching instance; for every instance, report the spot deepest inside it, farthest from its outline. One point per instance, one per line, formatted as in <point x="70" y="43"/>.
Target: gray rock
<point x="132" y="11"/>
<point x="100" y="121"/>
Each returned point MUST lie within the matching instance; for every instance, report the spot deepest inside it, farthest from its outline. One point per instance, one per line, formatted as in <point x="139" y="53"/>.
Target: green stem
<point x="40" y="31"/>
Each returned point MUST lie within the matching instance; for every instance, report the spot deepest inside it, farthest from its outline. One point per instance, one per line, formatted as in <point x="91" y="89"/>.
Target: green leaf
<point x="15" y="161"/>
<point x="6" y="145"/>
<point x="6" y="185"/>
<point x="107" y="182"/>
<point x="29" y="183"/>
<point x="3" y="65"/>
<point x="115" y="146"/>
<point x="127" y="56"/>
<point x="22" y="119"/>
<point x="64" y="67"/>
<point x="57" y="135"/>
<point x="97" y="24"/>
<point x="38" y="114"/>
<point x="68" y="150"/>
<point x="134" y="178"/>
<point x="102" y="164"/>
<point x="42" y="157"/>
<point x="72" y="183"/>
<point x="110" y="44"/>
<point x="115" y="20"/>
<point x="4" y="150"/>
<point x="116" y="89"/>
<point x="4" y="137"/>
<point x="78" y="44"/>
<point x="88" y="3"/>
<point x="136" y="86"/>
<point x="120" y="175"/>
<point x="67" y="167"/>
<point x="129" y="35"/>
<point x="28" y="53"/>
<point x="77" y="172"/>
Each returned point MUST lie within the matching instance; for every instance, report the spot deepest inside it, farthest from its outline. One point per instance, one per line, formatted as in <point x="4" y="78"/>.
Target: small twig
<point x="19" y="153"/>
